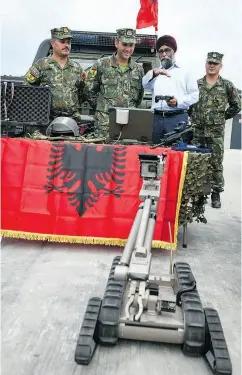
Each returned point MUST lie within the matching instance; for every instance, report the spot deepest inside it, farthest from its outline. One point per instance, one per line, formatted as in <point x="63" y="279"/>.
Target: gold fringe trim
<point x="101" y="240"/>
<point x="76" y="239"/>
<point x="180" y="191"/>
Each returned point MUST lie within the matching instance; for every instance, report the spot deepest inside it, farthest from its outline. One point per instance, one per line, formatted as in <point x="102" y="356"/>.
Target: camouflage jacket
<point x="109" y="86"/>
<point x="67" y="85"/>
<point x="211" y="112"/>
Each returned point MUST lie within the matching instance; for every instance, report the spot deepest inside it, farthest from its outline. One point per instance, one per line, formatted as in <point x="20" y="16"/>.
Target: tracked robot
<point x="140" y="306"/>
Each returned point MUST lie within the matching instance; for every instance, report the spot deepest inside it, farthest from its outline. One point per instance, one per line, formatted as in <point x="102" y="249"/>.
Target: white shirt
<point x="182" y="85"/>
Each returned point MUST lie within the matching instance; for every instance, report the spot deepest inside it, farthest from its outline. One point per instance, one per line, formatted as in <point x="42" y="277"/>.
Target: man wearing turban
<point x="173" y="81"/>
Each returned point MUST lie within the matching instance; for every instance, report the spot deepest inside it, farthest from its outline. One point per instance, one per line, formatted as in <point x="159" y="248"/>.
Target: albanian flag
<point x="148" y="14"/>
<point x="75" y="192"/>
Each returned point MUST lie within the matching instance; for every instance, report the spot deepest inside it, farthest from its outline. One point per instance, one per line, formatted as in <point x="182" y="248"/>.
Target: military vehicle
<point x="87" y="48"/>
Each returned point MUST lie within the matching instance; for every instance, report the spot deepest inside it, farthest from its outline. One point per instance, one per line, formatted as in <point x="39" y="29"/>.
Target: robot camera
<point x="149" y="166"/>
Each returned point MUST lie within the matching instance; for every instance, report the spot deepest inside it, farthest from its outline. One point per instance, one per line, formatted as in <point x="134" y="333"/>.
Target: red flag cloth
<point x="148" y="14"/>
<point x="73" y="192"/>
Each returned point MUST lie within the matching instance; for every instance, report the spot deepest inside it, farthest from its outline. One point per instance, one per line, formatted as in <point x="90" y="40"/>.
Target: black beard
<point x="166" y="63"/>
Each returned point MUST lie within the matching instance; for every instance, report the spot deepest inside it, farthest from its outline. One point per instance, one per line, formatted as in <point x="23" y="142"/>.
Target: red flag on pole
<point x="148" y="14"/>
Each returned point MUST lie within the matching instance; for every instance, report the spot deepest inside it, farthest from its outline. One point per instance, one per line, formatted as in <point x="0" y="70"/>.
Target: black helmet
<point x="63" y="126"/>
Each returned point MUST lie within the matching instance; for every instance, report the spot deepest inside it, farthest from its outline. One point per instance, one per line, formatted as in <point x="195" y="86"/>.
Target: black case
<point x="26" y="105"/>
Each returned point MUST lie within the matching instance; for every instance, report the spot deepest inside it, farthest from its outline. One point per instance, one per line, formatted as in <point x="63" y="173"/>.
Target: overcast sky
<point x="199" y="26"/>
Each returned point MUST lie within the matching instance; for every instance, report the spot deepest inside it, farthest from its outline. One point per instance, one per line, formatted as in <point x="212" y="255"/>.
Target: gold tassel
<point x="76" y="239"/>
<point x="180" y="191"/>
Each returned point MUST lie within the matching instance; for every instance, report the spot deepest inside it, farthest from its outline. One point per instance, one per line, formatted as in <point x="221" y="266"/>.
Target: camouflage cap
<point x="61" y="33"/>
<point x="126" y="35"/>
<point x="215" y="57"/>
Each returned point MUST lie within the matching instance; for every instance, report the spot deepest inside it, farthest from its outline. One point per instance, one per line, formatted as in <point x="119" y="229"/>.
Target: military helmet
<point x="63" y="126"/>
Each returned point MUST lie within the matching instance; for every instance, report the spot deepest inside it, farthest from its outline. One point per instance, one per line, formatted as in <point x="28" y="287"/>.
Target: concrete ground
<point x="46" y="287"/>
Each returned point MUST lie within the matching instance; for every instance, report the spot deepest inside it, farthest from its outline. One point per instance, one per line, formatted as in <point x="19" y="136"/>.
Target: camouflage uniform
<point x="67" y="83"/>
<point x="208" y="118"/>
<point x="109" y="86"/>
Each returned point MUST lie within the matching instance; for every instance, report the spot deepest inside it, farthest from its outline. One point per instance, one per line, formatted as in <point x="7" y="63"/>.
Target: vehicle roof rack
<point x="145" y="43"/>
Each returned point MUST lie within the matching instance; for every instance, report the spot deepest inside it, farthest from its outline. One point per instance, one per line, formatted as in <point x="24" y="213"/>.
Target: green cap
<point x="214" y="57"/>
<point x="61" y="33"/>
<point x="126" y="35"/>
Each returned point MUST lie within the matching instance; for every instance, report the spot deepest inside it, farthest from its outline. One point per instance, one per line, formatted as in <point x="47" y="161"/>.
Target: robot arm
<point x="136" y="259"/>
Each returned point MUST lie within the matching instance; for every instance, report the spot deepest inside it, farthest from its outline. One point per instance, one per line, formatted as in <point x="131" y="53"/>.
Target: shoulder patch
<point x="30" y="77"/>
<point x="93" y="72"/>
<point x="33" y="74"/>
<point x="34" y="71"/>
<point x="83" y="75"/>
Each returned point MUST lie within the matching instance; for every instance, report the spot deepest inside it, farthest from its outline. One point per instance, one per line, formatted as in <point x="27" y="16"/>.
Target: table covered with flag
<point x="84" y="193"/>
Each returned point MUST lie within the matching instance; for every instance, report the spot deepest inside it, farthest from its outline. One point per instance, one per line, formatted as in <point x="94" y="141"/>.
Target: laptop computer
<point x="138" y="127"/>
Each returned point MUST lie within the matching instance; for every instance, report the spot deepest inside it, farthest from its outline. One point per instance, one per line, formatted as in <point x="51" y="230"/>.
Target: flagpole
<point x="156" y="31"/>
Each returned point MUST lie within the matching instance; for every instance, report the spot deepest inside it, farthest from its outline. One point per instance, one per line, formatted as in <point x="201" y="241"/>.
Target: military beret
<point x="61" y="33"/>
<point x="166" y="40"/>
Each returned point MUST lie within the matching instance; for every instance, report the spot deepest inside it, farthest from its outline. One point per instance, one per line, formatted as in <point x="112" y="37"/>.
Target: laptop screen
<point x="138" y="128"/>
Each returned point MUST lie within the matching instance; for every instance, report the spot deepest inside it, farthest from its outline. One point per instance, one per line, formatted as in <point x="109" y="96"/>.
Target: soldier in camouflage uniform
<point x="65" y="77"/>
<point x="218" y="101"/>
<point x="115" y="81"/>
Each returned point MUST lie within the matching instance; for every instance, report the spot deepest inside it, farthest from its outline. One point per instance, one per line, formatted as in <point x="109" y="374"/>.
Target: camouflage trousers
<point x="101" y="126"/>
<point x="217" y="145"/>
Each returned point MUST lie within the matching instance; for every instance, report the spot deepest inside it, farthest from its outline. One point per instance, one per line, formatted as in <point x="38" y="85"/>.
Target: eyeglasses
<point x="166" y="50"/>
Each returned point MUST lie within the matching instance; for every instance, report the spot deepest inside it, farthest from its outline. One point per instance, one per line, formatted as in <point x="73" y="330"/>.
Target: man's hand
<point x="172" y="102"/>
<point x="159" y="71"/>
